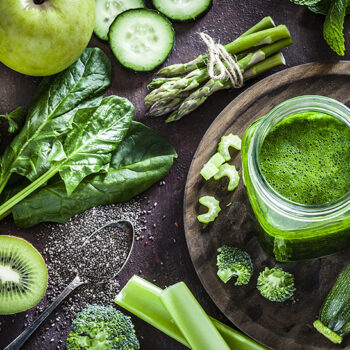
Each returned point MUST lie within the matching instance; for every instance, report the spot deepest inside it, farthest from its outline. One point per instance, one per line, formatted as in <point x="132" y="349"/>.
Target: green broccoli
<point x="102" y="328"/>
<point x="275" y="284"/>
<point x="234" y="262"/>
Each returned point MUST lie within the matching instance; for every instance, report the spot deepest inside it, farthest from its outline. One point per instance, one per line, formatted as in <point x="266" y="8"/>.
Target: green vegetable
<point x="334" y="318"/>
<point x="275" y="284"/>
<point x="102" y="328"/>
<point x="96" y="133"/>
<point x="234" y="262"/>
<point x="141" y="39"/>
<point x="334" y="25"/>
<point x="209" y="170"/>
<point x="142" y="299"/>
<point x="183" y="10"/>
<point x="229" y="141"/>
<point x="181" y="88"/>
<point x="211" y="167"/>
<point x="213" y="209"/>
<point x="191" y="319"/>
<point x="230" y="172"/>
<point x="15" y="120"/>
<point x="50" y="115"/>
<point x="335" y="11"/>
<point x="107" y="11"/>
<point x="141" y="159"/>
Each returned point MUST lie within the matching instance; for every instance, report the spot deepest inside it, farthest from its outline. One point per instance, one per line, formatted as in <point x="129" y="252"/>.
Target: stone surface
<point x="166" y="260"/>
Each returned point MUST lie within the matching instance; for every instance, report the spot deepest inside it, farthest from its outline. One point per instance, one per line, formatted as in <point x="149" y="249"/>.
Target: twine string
<point x="221" y="64"/>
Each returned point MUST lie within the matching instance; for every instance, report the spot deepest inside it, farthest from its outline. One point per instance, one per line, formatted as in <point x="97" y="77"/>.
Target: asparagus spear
<point x="245" y="42"/>
<point x="175" y="98"/>
<point x="161" y="98"/>
<point x="193" y="101"/>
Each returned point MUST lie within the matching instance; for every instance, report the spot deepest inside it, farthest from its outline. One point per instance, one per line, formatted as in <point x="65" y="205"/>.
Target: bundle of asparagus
<point x="181" y="88"/>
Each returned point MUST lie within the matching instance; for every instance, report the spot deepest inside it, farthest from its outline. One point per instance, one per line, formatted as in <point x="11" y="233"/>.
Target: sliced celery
<point x="217" y="159"/>
<point x="227" y="142"/>
<point x="210" y="168"/>
<point x="231" y="172"/>
<point x="191" y="319"/>
<point x="213" y="206"/>
<point x="142" y="299"/>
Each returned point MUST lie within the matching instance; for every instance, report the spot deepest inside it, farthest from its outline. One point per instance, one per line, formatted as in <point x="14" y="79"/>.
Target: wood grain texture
<point x="278" y="325"/>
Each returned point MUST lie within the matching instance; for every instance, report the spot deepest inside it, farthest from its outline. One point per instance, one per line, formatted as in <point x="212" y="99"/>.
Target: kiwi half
<point x="23" y="275"/>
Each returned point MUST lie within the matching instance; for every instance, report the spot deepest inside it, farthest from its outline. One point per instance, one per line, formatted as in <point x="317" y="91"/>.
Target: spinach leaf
<point x="334" y="25"/>
<point x="15" y="119"/>
<point x="142" y="159"/>
<point x="49" y="117"/>
<point x="96" y="133"/>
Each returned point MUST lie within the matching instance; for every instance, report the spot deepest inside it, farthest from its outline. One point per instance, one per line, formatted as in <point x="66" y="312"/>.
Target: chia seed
<point x="98" y="261"/>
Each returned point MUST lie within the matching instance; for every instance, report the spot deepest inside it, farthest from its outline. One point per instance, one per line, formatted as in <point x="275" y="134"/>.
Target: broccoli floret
<point x="102" y="328"/>
<point x="275" y="284"/>
<point x="234" y="262"/>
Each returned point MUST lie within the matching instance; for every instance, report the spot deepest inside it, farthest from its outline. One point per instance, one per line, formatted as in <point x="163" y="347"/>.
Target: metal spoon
<point x="127" y="227"/>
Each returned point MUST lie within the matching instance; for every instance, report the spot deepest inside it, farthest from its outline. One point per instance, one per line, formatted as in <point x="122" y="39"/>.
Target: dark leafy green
<point x="96" y="133"/>
<point x="335" y="12"/>
<point x="50" y="115"/>
<point x="322" y="7"/>
<point x="15" y="120"/>
<point x="334" y="25"/>
<point x="141" y="159"/>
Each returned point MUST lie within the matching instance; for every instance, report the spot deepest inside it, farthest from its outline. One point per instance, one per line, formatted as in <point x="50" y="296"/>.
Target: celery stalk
<point x="142" y="299"/>
<point x="191" y="319"/>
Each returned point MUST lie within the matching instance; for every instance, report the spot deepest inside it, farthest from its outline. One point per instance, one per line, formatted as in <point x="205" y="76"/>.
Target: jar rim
<point x="295" y="105"/>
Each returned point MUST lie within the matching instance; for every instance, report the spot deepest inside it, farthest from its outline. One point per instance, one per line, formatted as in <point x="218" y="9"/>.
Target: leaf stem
<point x="8" y="205"/>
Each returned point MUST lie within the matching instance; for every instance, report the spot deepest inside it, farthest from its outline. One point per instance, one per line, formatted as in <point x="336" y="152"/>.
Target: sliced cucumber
<point x="108" y="10"/>
<point x="141" y="39"/>
<point x="182" y="10"/>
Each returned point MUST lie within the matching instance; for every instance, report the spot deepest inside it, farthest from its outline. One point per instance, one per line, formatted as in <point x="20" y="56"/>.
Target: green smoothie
<point x="306" y="158"/>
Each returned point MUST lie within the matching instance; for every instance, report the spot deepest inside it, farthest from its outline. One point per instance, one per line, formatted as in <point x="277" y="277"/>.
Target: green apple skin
<point x="44" y="39"/>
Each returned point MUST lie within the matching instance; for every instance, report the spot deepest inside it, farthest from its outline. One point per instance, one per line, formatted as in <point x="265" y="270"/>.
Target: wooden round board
<point x="280" y="326"/>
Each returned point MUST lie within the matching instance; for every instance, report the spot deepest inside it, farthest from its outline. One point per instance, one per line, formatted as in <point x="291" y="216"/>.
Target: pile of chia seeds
<point x="98" y="261"/>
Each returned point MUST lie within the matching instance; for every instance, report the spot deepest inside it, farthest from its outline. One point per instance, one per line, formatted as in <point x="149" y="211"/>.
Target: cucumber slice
<point x="141" y="39"/>
<point x="182" y="10"/>
<point x="108" y="10"/>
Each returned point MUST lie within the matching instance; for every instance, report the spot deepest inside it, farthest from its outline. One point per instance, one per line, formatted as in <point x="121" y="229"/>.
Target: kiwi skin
<point x="38" y="277"/>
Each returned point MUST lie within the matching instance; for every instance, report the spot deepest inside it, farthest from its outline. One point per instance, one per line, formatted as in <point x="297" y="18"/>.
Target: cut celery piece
<point x="209" y="170"/>
<point x="227" y="142"/>
<point x="231" y="172"/>
<point x="191" y="319"/>
<point x="213" y="206"/>
<point x="217" y="159"/>
<point x="142" y="299"/>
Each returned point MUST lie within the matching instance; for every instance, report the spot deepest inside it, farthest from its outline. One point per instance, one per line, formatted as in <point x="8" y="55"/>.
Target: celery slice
<point x="231" y="172"/>
<point x="217" y="159"/>
<point x="142" y="299"/>
<point x="191" y="319"/>
<point x="213" y="206"/>
<point x="227" y="142"/>
<point x="210" y="168"/>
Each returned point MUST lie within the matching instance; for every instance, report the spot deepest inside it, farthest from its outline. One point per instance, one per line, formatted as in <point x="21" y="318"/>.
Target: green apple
<point x="43" y="37"/>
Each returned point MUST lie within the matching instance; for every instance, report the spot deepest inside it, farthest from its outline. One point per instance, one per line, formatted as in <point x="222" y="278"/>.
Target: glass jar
<point x="290" y="231"/>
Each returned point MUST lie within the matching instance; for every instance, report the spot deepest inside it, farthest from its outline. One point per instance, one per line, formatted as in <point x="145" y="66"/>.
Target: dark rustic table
<point x="166" y="259"/>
